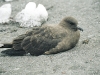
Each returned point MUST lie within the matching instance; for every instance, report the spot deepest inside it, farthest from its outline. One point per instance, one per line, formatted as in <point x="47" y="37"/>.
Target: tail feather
<point x="12" y="52"/>
<point x="6" y="45"/>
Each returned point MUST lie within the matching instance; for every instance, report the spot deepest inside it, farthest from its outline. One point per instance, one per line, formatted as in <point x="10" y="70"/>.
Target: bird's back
<point x="41" y="40"/>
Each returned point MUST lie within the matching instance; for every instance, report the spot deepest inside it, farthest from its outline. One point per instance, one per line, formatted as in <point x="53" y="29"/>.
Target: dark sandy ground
<point x="84" y="59"/>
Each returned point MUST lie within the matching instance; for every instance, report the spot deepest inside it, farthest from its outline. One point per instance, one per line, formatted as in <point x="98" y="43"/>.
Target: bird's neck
<point x="63" y="24"/>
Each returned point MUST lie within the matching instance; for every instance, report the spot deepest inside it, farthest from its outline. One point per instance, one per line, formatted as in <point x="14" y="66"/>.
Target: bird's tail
<point x="11" y="51"/>
<point x="6" y="45"/>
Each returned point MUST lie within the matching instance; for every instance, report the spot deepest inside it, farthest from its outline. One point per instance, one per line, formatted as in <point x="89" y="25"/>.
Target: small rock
<point x="5" y="13"/>
<point x="85" y="41"/>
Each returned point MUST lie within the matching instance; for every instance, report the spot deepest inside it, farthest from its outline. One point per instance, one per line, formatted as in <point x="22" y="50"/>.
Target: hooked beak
<point x="79" y="28"/>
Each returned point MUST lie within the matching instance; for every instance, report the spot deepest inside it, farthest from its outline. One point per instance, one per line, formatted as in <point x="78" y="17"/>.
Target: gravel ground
<point x="84" y="59"/>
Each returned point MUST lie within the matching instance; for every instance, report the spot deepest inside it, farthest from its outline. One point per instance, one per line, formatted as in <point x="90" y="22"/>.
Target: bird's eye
<point x="71" y="23"/>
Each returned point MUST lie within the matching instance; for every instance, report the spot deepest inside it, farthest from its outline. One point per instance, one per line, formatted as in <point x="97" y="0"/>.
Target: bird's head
<point x="70" y="22"/>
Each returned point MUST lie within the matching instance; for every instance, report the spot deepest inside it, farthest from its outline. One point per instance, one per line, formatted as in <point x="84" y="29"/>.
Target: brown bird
<point x="47" y="39"/>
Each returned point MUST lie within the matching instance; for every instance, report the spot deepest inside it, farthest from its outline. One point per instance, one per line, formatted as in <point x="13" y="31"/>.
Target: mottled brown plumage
<point x="49" y="39"/>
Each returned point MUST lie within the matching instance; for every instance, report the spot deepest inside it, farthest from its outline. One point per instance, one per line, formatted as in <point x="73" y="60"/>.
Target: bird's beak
<point x="79" y="28"/>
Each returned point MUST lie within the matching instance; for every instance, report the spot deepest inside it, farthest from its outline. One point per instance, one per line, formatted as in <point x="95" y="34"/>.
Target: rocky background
<point x="84" y="59"/>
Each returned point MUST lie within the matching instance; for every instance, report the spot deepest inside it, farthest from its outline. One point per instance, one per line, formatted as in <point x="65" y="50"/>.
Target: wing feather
<point x="39" y="42"/>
